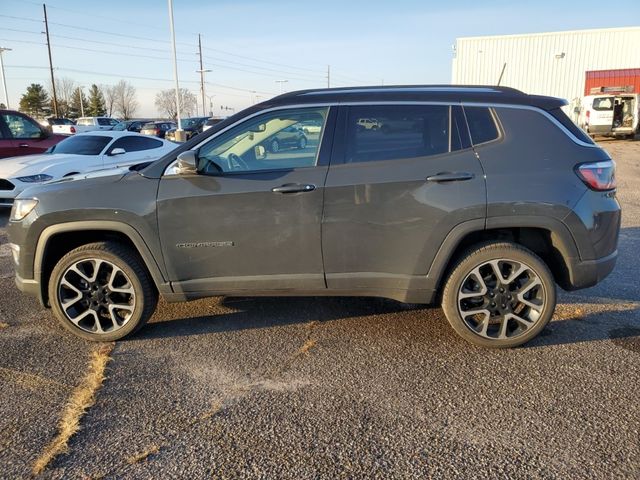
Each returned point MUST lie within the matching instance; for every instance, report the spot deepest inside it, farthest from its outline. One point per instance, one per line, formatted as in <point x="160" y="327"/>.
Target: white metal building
<point x="551" y="63"/>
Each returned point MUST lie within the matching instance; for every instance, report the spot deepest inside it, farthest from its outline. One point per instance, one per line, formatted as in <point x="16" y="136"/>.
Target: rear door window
<point x="396" y="132"/>
<point x="482" y="125"/>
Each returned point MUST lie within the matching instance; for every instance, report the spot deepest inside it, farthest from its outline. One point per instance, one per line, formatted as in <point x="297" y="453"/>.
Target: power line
<point x="135" y="77"/>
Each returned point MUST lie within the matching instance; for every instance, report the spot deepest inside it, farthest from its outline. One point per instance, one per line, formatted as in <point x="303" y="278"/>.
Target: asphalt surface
<point x="336" y="388"/>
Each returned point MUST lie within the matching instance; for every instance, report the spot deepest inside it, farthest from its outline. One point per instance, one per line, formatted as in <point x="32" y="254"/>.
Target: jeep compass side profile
<point x="480" y="198"/>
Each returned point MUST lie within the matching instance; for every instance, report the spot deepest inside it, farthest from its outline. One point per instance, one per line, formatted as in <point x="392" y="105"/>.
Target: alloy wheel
<point x="501" y="299"/>
<point x="96" y="296"/>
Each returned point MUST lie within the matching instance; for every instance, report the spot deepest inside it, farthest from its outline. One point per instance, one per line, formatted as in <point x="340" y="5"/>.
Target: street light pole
<point x="81" y="102"/>
<point x="179" y="131"/>
<point x="4" y="80"/>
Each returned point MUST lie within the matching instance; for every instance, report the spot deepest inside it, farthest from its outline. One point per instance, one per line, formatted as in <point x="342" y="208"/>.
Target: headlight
<point x="22" y="207"/>
<point x="39" y="178"/>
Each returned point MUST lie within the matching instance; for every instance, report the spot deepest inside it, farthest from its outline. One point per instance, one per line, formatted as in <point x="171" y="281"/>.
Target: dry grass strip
<point x="82" y="397"/>
<point x="143" y="455"/>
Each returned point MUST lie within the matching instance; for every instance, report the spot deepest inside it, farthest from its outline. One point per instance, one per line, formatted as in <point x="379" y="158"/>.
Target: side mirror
<point x="117" y="151"/>
<point x="260" y="152"/>
<point x="187" y="163"/>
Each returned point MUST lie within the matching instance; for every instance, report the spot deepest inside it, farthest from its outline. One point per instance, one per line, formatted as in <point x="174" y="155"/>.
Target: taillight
<point x="588" y="114"/>
<point x="598" y="176"/>
<point x="73" y="129"/>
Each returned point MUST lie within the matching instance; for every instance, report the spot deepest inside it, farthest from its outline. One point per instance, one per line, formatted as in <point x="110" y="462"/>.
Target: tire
<point x="274" y="146"/>
<point x="510" y="312"/>
<point x="120" y="279"/>
<point x="302" y="143"/>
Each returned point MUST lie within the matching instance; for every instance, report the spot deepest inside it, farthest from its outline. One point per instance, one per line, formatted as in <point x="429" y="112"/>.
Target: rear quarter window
<point x="482" y="125"/>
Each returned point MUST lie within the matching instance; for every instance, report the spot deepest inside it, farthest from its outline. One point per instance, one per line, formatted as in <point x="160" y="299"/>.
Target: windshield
<point x="82" y="145"/>
<point x="121" y="126"/>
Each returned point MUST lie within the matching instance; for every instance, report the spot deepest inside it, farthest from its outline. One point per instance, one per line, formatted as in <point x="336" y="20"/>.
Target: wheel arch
<point x="57" y="240"/>
<point x="548" y="237"/>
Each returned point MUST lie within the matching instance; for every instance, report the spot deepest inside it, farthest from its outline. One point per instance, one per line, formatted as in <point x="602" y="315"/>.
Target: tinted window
<point x="105" y="121"/>
<point x="267" y="142"/>
<point x="603" y="103"/>
<point x="135" y="144"/>
<point x="21" y="127"/>
<point x="82" y="145"/>
<point x="392" y="132"/>
<point x="482" y="126"/>
<point x="559" y="115"/>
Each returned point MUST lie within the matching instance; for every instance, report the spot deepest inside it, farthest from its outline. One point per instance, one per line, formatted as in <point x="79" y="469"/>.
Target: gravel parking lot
<point x="335" y="388"/>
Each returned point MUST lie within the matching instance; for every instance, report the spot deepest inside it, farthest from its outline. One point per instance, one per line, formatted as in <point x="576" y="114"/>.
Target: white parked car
<point x="85" y="152"/>
<point x="88" y="124"/>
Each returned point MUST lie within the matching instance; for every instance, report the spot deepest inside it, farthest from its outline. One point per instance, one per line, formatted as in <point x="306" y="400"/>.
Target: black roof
<point x="434" y="93"/>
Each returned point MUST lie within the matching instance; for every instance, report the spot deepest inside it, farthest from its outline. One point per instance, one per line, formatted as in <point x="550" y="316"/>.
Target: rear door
<point x="601" y="115"/>
<point x="393" y="194"/>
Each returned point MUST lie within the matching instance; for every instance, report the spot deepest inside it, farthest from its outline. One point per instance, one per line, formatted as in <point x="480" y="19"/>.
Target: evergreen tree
<point x="96" y="105"/>
<point x="78" y="104"/>
<point x="35" y="101"/>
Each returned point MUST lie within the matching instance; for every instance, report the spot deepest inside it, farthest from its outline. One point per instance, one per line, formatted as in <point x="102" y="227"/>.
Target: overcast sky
<point x="250" y="44"/>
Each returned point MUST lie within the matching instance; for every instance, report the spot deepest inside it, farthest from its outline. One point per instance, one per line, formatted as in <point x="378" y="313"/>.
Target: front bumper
<point x="30" y="287"/>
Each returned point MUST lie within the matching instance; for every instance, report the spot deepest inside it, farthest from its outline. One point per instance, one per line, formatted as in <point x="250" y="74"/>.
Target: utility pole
<point x="4" y="80"/>
<point x="180" y="137"/>
<point x="328" y="76"/>
<point x="281" y="83"/>
<point x="202" y="71"/>
<point x="53" y="80"/>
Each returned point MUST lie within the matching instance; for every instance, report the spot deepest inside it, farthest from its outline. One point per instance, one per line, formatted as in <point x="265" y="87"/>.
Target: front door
<point x="28" y="137"/>
<point x="395" y="192"/>
<point x="250" y="218"/>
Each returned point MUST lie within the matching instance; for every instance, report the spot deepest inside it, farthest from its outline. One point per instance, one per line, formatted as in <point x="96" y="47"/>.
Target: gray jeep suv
<point x="481" y="198"/>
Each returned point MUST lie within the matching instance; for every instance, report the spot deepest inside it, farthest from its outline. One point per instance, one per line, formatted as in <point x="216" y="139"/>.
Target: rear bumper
<point x="587" y="273"/>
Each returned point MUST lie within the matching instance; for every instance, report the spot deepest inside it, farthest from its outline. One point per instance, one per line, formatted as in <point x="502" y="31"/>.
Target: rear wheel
<point x="102" y="291"/>
<point x="499" y="295"/>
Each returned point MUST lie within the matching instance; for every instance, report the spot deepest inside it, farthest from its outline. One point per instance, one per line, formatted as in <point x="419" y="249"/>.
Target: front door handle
<point x="450" y="177"/>
<point x="24" y="145"/>
<point x="293" y="188"/>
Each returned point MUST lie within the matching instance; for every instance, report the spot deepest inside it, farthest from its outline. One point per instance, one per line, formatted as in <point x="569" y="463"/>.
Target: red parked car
<point x="22" y="135"/>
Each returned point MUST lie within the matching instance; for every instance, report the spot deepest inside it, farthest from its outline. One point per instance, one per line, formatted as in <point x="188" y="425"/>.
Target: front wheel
<point x="302" y="143"/>
<point x="274" y="146"/>
<point x="499" y="295"/>
<point x="102" y="291"/>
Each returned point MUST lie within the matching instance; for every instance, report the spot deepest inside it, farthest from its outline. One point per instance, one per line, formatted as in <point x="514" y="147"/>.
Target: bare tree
<point x="65" y="88"/>
<point x="166" y="102"/>
<point x="125" y="103"/>
<point x="109" y="92"/>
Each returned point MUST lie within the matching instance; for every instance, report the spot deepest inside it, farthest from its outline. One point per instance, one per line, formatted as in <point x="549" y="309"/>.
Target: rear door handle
<point x="24" y="145"/>
<point x="450" y="177"/>
<point x="293" y="188"/>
